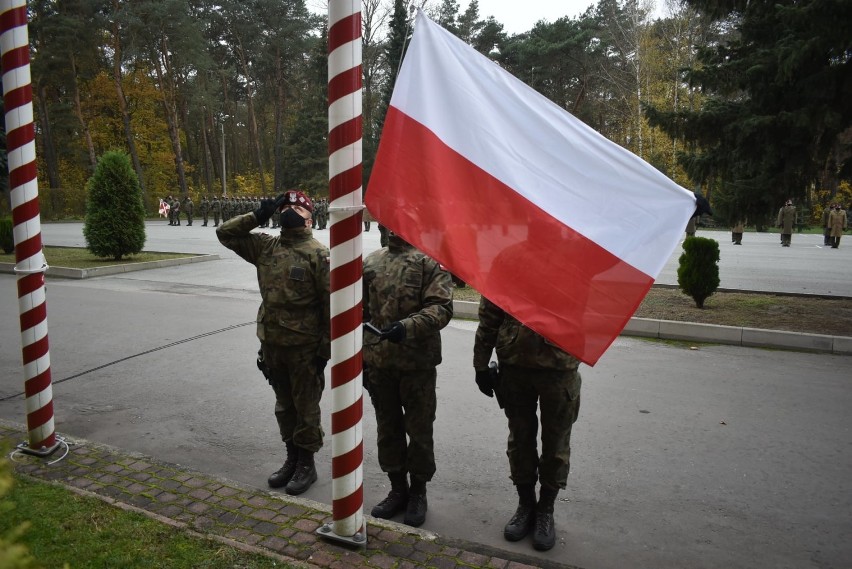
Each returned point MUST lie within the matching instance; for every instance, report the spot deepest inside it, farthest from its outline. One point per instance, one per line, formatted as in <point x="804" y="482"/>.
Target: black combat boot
<point x="544" y="536"/>
<point x="397" y="498"/>
<point x="283" y="475"/>
<point x="415" y="513"/>
<point x="524" y="519"/>
<point x="305" y="474"/>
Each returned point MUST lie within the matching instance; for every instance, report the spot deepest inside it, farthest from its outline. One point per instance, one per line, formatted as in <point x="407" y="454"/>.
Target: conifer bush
<point x="7" y="237"/>
<point x="114" y="225"/>
<point x="698" y="269"/>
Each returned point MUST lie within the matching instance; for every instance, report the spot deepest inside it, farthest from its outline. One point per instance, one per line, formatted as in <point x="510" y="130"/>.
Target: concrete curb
<point x="69" y="273"/>
<point x="712" y="333"/>
<point x="252" y="519"/>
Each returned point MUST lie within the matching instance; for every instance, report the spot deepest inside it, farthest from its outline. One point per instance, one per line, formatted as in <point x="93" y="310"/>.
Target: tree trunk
<point x="78" y="110"/>
<point x="252" y="120"/>
<point x="122" y="106"/>
<point x="48" y="147"/>
<point x="171" y="120"/>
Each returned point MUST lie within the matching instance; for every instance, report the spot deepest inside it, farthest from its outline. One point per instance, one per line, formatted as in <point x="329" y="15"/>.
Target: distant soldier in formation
<point x="786" y="220"/>
<point x="837" y="221"/>
<point x="188" y="208"/>
<point x="737" y="232"/>
<point x="226" y="209"/>
<point x="826" y="228"/>
<point x="176" y="211"/>
<point x="204" y="208"/>
<point x="216" y="207"/>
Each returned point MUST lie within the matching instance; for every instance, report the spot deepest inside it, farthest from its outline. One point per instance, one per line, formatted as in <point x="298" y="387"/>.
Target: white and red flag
<point x="164" y="208"/>
<point x="560" y="227"/>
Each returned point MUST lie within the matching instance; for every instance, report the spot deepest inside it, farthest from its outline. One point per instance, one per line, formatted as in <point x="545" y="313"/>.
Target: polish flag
<point x="561" y="228"/>
<point x="164" y="208"/>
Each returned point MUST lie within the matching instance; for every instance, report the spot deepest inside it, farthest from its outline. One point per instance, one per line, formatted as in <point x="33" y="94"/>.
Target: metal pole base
<point x="43" y="452"/>
<point x="359" y="539"/>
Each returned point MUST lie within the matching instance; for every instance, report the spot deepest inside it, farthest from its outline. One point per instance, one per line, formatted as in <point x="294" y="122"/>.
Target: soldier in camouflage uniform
<point x="409" y="297"/>
<point x="203" y="209"/>
<point x="216" y="208"/>
<point x="292" y="325"/>
<point x="188" y="208"/>
<point x="532" y="373"/>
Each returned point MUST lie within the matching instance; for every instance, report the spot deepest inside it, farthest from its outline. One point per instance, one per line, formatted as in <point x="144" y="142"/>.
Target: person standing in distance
<point x="786" y="220"/>
<point x="409" y="297"/>
<point x="292" y="324"/>
<point x="534" y="375"/>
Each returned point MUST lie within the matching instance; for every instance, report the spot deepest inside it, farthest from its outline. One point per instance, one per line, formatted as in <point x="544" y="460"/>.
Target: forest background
<point x="745" y="102"/>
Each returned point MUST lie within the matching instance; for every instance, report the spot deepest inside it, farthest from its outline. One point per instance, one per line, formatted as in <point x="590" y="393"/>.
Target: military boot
<point x="524" y="519"/>
<point x="415" y="513"/>
<point x="544" y="536"/>
<point x="283" y="475"/>
<point x="305" y="474"/>
<point x="397" y="499"/>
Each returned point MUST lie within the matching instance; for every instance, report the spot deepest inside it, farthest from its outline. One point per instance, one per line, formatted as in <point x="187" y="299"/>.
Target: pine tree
<point x="114" y="225"/>
<point x="698" y="268"/>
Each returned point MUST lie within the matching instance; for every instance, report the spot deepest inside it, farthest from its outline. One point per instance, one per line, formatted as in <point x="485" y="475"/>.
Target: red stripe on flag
<point x="553" y="279"/>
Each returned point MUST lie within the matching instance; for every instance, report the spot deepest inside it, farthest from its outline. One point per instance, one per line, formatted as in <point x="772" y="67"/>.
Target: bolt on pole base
<point x="42" y="452"/>
<point x="359" y="539"/>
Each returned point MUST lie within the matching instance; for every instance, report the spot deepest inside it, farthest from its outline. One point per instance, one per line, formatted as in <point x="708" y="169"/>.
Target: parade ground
<point x="684" y="455"/>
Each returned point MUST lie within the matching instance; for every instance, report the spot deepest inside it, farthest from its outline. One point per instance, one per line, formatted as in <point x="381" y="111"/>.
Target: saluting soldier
<point x="292" y="325"/>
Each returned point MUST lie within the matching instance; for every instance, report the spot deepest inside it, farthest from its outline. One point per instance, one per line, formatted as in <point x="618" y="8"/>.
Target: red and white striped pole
<point x="30" y="264"/>
<point x="345" y="209"/>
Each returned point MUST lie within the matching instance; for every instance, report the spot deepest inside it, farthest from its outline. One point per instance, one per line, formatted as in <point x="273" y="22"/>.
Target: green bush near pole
<point x="7" y="237"/>
<point x="114" y="226"/>
<point x="698" y="269"/>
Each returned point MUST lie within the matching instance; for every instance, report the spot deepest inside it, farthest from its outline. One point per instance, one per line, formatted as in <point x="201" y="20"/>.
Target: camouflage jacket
<point x="516" y="344"/>
<point x="293" y="275"/>
<point x="403" y="284"/>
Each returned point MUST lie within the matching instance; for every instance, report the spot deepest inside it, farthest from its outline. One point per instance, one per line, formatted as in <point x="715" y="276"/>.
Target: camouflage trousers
<point x="405" y="404"/>
<point x="557" y="394"/>
<point x="298" y="387"/>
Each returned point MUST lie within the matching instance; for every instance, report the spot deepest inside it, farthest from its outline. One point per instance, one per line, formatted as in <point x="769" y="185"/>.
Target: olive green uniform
<point x="786" y="220"/>
<point x="402" y="284"/>
<point x="292" y="321"/>
<point x="533" y="373"/>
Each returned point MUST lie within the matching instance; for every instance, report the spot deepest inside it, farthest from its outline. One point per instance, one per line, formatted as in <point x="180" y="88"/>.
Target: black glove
<point x="265" y="211"/>
<point x="394" y="333"/>
<point x="321" y="363"/>
<point x="485" y="383"/>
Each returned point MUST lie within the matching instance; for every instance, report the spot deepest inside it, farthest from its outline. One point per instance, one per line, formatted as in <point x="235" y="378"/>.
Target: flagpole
<point x="345" y="210"/>
<point x="30" y="264"/>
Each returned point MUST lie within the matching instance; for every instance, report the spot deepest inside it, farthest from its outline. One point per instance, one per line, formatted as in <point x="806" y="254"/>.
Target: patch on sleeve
<point x="297" y="273"/>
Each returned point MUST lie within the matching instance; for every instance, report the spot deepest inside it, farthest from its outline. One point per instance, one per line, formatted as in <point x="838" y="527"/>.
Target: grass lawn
<point x="64" y="529"/>
<point x="77" y="258"/>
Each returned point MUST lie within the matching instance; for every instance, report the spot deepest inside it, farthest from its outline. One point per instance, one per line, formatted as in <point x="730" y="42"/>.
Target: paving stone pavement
<point x="251" y="519"/>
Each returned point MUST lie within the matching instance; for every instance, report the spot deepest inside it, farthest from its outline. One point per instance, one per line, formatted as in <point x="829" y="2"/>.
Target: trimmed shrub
<point x="7" y="237"/>
<point x="698" y="270"/>
<point x="114" y="225"/>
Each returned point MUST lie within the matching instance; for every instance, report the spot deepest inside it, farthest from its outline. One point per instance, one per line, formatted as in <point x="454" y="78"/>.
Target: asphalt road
<point x="712" y="457"/>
